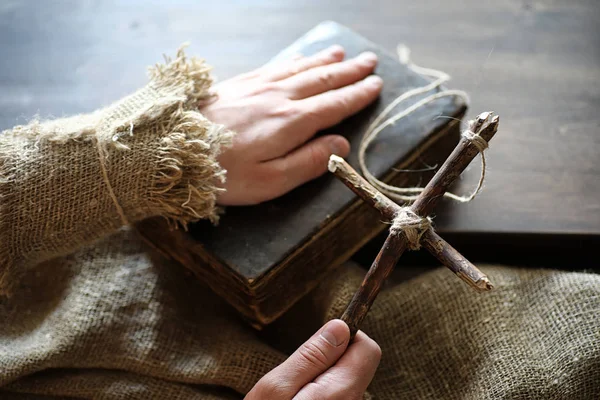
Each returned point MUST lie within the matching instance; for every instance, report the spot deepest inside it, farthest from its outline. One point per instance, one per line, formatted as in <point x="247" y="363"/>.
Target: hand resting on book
<point x="275" y="112"/>
<point x="277" y="109"/>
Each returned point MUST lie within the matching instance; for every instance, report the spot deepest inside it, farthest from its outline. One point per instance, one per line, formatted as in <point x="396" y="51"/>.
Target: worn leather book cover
<point x="263" y="258"/>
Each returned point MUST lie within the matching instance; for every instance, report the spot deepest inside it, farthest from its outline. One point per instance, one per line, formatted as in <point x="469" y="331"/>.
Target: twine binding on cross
<point x="412" y="225"/>
<point x="481" y="144"/>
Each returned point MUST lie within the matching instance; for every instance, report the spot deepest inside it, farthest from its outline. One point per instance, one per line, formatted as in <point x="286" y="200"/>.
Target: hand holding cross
<point x="410" y="226"/>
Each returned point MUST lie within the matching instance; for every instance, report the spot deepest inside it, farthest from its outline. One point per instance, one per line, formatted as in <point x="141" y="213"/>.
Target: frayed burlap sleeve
<point x="68" y="182"/>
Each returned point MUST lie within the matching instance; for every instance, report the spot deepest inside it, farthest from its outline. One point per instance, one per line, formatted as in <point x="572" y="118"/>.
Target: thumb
<point x="314" y="357"/>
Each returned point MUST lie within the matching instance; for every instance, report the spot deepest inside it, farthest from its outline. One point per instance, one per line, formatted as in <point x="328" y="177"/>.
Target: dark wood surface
<point x="535" y="63"/>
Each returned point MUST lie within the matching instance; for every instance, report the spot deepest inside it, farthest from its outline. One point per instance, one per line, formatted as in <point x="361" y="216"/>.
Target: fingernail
<point x="337" y="146"/>
<point x="335" y="332"/>
<point x="374" y="80"/>
<point x="368" y="58"/>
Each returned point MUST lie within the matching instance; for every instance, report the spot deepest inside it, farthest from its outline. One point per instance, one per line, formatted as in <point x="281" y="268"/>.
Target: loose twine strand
<point x="102" y="156"/>
<point x="408" y="194"/>
<point x="412" y="225"/>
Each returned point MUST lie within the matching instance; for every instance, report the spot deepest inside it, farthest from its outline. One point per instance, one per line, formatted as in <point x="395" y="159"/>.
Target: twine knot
<point x="476" y="140"/>
<point x="412" y="225"/>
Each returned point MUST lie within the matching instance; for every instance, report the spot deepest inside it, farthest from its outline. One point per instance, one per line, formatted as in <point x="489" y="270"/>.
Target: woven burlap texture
<point x="117" y="320"/>
<point x="158" y="152"/>
<point x="98" y="314"/>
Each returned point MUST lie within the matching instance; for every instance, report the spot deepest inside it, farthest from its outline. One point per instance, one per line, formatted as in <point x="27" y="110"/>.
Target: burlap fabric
<point x="158" y="153"/>
<point x="113" y="319"/>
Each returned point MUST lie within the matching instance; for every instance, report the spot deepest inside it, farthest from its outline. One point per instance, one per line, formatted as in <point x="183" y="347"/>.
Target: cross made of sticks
<point x="410" y="226"/>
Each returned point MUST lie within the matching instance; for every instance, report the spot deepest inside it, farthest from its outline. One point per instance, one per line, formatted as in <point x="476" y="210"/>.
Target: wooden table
<point x="535" y="63"/>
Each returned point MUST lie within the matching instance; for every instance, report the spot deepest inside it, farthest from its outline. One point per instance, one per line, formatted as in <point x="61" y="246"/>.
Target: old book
<point x="263" y="258"/>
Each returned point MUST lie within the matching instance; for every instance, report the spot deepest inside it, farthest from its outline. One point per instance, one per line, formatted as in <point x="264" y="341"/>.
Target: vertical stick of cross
<point x="411" y="226"/>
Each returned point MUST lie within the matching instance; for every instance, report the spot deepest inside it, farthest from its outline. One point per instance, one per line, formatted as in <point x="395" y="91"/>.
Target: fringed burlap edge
<point x="184" y="186"/>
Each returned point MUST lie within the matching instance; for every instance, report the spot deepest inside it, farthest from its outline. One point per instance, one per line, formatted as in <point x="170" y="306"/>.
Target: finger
<point x="350" y="376"/>
<point x="265" y="70"/>
<point x="328" y="77"/>
<point x="307" y="162"/>
<point x="331" y="108"/>
<point x="284" y="70"/>
<point x="311" y="359"/>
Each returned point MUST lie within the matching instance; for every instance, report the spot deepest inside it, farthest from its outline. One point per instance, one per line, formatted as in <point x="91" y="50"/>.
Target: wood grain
<point x="484" y="126"/>
<point x="431" y="241"/>
<point x="383" y="265"/>
<point x="453" y="167"/>
<point x="456" y="262"/>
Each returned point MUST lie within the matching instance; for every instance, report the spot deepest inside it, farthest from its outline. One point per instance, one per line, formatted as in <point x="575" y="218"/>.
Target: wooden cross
<point x="485" y="125"/>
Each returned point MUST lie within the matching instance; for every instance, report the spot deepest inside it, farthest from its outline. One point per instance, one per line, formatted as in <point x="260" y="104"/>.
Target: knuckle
<point x="343" y="105"/>
<point x="327" y="79"/>
<point x="295" y="66"/>
<point x="314" y="355"/>
<point x="314" y="114"/>
<point x="250" y="75"/>
<point x="266" y="87"/>
<point x="317" y="156"/>
<point x="285" y="110"/>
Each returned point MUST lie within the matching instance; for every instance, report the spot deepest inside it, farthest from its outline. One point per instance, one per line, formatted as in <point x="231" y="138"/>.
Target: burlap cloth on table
<point x="94" y="313"/>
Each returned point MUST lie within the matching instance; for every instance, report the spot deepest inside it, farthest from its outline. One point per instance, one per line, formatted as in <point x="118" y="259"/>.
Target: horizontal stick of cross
<point x="484" y="127"/>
